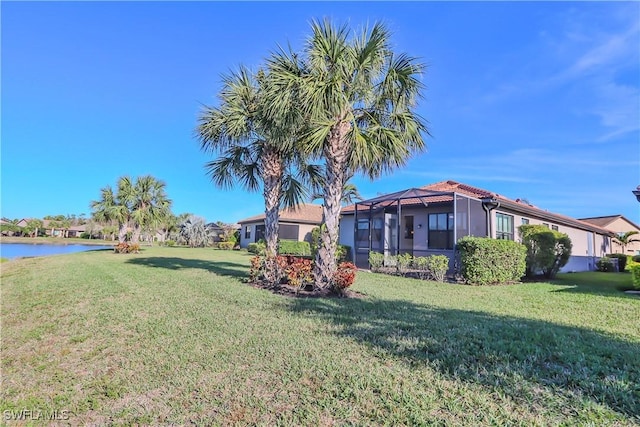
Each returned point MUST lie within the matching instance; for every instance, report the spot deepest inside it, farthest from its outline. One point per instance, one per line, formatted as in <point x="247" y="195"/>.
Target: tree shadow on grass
<point x="509" y="355"/>
<point x="606" y="284"/>
<point x="221" y="268"/>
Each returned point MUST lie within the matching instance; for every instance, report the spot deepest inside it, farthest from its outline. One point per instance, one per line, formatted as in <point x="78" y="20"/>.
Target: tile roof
<point x="604" y="221"/>
<point x="451" y="187"/>
<point x="304" y="213"/>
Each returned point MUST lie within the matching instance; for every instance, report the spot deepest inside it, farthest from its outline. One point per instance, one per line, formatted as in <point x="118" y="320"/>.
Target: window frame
<point x="434" y="226"/>
<point x="500" y="221"/>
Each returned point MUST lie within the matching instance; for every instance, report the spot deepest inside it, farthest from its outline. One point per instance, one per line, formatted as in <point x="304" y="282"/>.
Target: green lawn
<point x="173" y="336"/>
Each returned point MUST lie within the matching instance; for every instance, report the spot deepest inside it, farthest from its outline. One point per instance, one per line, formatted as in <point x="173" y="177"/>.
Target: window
<point x="259" y="233"/>
<point x="504" y="226"/>
<point x="362" y="231"/>
<point x="554" y="227"/>
<point x="408" y="227"/>
<point x="545" y="224"/>
<point x="247" y="232"/>
<point x="525" y="221"/>
<point x="288" y="231"/>
<point x="440" y="231"/>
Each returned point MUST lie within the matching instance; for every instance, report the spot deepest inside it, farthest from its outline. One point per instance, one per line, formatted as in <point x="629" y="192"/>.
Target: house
<point x="429" y="220"/>
<point x="294" y="224"/>
<point x="618" y="224"/>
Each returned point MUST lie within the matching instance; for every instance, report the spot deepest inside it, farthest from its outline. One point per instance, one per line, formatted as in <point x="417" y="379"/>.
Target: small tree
<point x="547" y="250"/>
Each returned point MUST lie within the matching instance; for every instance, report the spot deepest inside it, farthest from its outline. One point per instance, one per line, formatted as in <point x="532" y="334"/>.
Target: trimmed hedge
<point x="547" y="250"/>
<point x="486" y="261"/>
<point x="293" y="247"/>
<point x="635" y="275"/>
<point x="226" y="246"/>
<point x="605" y="265"/>
<point x="622" y="261"/>
<point x="256" y="248"/>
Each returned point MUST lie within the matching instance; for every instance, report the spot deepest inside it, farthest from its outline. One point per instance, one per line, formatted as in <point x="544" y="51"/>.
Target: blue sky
<point x="531" y="100"/>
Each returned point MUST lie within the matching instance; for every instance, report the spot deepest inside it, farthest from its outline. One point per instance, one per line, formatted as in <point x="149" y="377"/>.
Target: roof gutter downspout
<point x="489" y="204"/>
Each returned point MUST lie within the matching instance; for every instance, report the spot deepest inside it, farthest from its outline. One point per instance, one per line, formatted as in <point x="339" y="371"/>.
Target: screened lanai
<point x="415" y="221"/>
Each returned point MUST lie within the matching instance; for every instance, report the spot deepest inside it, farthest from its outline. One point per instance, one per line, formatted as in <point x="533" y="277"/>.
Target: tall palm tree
<point x="112" y="208"/>
<point x="254" y="150"/>
<point x="148" y="202"/>
<point x="359" y="97"/>
<point x="623" y="239"/>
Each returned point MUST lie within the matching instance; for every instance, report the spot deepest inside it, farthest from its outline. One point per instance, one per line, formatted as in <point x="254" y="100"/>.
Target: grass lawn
<point x="173" y="336"/>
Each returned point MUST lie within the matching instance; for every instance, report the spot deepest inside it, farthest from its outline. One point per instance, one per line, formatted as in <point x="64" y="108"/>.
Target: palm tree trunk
<point x="272" y="177"/>
<point x="122" y="232"/>
<point x="135" y="236"/>
<point x="336" y="153"/>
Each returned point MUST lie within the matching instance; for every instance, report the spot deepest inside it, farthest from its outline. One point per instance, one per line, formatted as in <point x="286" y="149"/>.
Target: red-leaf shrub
<point x="344" y="276"/>
<point x="126" y="248"/>
<point x="299" y="272"/>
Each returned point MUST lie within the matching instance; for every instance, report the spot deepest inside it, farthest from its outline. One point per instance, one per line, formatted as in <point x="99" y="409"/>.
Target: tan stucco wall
<point x="622" y="226"/>
<point x="304" y="232"/>
<point x="600" y="245"/>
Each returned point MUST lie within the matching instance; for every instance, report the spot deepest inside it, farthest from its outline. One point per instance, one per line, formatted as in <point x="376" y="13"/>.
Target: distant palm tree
<point x="148" y="202"/>
<point x="255" y="151"/>
<point x="358" y="97"/>
<point x="112" y="208"/>
<point x="623" y="239"/>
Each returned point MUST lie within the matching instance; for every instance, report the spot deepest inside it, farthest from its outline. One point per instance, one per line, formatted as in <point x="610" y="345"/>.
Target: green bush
<point x="256" y="248"/>
<point x="438" y="265"/>
<point x="226" y="246"/>
<point x="487" y="261"/>
<point x="403" y="263"/>
<point x="293" y="247"/>
<point x="170" y="243"/>
<point x="547" y="250"/>
<point x="605" y="265"/>
<point x="343" y="253"/>
<point x="622" y="261"/>
<point x="421" y="264"/>
<point x="635" y="275"/>
<point x="376" y="261"/>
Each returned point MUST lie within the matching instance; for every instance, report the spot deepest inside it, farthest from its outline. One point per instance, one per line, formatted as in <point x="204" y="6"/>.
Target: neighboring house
<point x="618" y="224"/>
<point x="23" y="222"/>
<point x="76" y="230"/>
<point x="429" y="220"/>
<point x="294" y="224"/>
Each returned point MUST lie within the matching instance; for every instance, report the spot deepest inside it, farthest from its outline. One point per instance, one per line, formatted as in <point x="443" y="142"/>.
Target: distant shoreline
<point x="55" y="241"/>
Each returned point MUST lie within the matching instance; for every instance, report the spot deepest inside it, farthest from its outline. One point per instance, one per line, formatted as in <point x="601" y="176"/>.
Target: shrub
<point x="635" y="276"/>
<point x="622" y="260"/>
<point x="438" y="265"/>
<point x="547" y="250"/>
<point x="293" y="247"/>
<point x="170" y="243"/>
<point x="315" y="241"/>
<point x="256" y="248"/>
<point x="127" y="248"/>
<point x="421" y="263"/>
<point x="605" y="265"/>
<point x="487" y="261"/>
<point x="344" y="276"/>
<point x="403" y="262"/>
<point x="343" y="253"/>
<point x="376" y="261"/>
<point x="226" y="246"/>
<point x="256" y="269"/>
<point x="299" y="273"/>
<point x="635" y="258"/>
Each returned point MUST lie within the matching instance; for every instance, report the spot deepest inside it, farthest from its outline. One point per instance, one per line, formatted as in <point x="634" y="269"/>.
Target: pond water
<point x="17" y="250"/>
